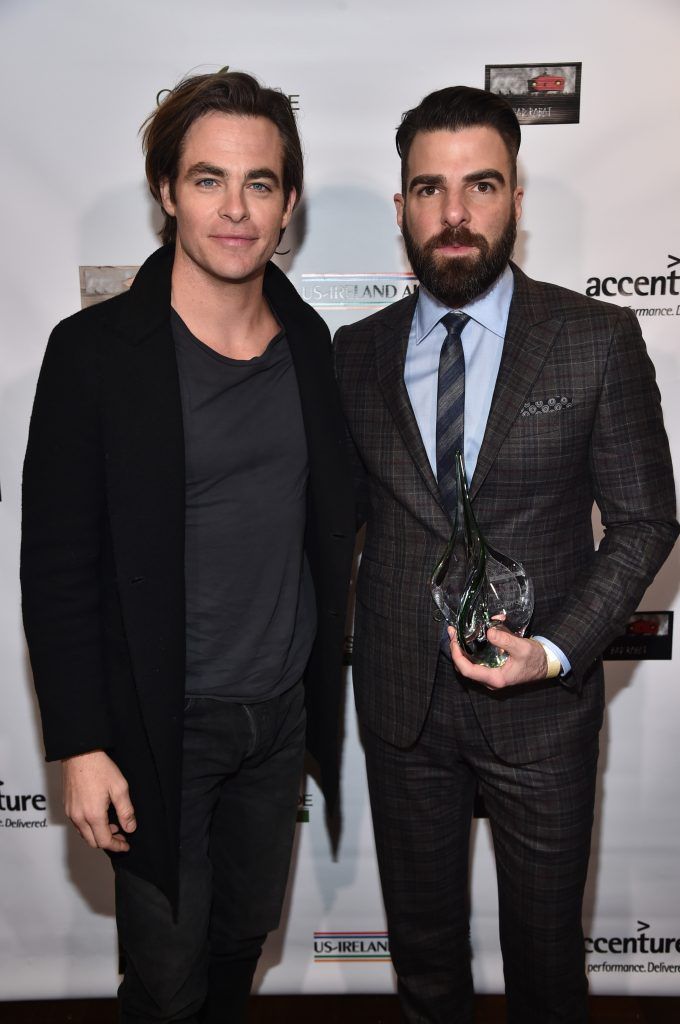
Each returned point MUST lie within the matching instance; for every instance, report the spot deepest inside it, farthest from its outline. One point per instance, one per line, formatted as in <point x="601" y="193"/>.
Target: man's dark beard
<point x="457" y="280"/>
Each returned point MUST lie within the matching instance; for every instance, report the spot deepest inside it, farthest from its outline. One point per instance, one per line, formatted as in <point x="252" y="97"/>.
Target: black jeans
<point x="241" y="771"/>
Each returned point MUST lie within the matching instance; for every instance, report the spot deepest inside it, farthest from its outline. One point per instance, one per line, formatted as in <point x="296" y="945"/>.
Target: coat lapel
<point x="530" y="334"/>
<point x="146" y="464"/>
<point x="391" y="342"/>
<point x="305" y="334"/>
<point x="145" y="413"/>
<point x="310" y="347"/>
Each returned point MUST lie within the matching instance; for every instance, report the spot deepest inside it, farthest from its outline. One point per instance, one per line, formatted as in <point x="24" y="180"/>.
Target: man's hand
<point x="92" y="782"/>
<point x="526" y="662"/>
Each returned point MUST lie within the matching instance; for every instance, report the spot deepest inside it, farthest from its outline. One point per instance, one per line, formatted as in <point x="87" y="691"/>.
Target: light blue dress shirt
<point x="482" y="339"/>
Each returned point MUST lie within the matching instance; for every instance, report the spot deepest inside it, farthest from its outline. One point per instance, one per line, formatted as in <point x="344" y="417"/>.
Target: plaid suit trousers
<point x="541" y="817"/>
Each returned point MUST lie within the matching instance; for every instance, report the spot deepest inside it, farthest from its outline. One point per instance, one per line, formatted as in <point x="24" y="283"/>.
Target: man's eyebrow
<point x="204" y="168"/>
<point x="426" y="179"/>
<point x="489" y="172"/>
<point x="263" y="172"/>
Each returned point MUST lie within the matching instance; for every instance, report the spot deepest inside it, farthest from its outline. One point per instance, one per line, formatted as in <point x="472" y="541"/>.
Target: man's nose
<point x="455" y="211"/>
<point x="233" y="205"/>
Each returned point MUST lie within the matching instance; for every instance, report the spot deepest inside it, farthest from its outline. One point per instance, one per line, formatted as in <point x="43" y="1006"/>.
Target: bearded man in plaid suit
<point x="553" y="399"/>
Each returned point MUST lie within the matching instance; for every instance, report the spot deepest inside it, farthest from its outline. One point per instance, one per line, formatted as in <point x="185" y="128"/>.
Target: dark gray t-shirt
<point x="250" y="608"/>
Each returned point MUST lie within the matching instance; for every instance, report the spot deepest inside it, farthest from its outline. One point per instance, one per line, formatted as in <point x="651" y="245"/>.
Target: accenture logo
<point x="358" y="947"/>
<point x="644" y="943"/>
<point x="640" y="943"/>
<point x="355" y="291"/>
<point x="15" y="805"/>
<point x="643" y="285"/>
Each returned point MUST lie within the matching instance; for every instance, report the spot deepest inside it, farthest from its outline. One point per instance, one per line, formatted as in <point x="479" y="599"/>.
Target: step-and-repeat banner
<point x="597" y="89"/>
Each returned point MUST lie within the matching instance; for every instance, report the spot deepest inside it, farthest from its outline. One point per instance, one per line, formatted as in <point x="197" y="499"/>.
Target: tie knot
<point x="454" y="323"/>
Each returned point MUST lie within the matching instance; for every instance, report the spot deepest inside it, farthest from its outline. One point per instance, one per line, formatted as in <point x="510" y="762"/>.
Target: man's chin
<point x="455" y="269"/>
<point x="451" y="279"/>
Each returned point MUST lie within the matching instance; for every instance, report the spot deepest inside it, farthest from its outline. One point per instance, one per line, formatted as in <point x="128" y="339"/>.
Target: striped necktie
<point x="450" y="407"/>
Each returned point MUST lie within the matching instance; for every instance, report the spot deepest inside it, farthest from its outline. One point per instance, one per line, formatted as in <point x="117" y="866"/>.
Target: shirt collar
<point x="490" y="309"/>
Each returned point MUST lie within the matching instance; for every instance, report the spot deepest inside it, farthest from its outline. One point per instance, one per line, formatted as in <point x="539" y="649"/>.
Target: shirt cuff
<point x="563" y="659"/>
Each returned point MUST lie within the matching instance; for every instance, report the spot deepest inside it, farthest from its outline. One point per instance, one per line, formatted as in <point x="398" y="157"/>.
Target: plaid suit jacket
<point x="533" y="489"/>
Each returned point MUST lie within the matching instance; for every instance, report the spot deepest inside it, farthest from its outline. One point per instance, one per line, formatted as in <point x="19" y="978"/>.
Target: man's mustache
<point x="456" y="236"/>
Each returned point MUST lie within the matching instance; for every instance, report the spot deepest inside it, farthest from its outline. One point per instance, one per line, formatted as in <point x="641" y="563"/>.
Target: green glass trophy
<point x="475" y="587"/>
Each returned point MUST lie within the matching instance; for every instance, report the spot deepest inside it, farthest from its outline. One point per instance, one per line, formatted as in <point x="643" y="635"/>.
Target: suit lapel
<point x="391" y="342"/>
<point x="530" y="335"/>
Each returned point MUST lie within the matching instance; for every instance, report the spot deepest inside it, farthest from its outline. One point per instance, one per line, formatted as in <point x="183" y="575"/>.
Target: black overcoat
<point x="103" y="545"/>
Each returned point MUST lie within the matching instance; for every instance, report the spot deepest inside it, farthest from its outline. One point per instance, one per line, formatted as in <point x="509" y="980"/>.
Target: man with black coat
<point x="188" y="530"/>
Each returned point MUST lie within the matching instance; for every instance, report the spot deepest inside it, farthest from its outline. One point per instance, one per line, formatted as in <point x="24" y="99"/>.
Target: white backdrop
<point x="76" y="79"/>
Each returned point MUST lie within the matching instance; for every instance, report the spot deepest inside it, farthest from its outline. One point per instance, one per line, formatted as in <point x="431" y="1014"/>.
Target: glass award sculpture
<point x="475" y="587"/>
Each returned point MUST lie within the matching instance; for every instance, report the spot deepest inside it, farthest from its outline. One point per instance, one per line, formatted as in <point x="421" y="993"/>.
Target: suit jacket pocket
<point x="549" y="407"/>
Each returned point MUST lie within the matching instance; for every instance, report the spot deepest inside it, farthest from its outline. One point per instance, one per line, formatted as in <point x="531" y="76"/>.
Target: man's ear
<point x="399" y="207"/>
<point x="167" y="202"/>
<point x="288" y="209"/>
<point x="517" y="198"/>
